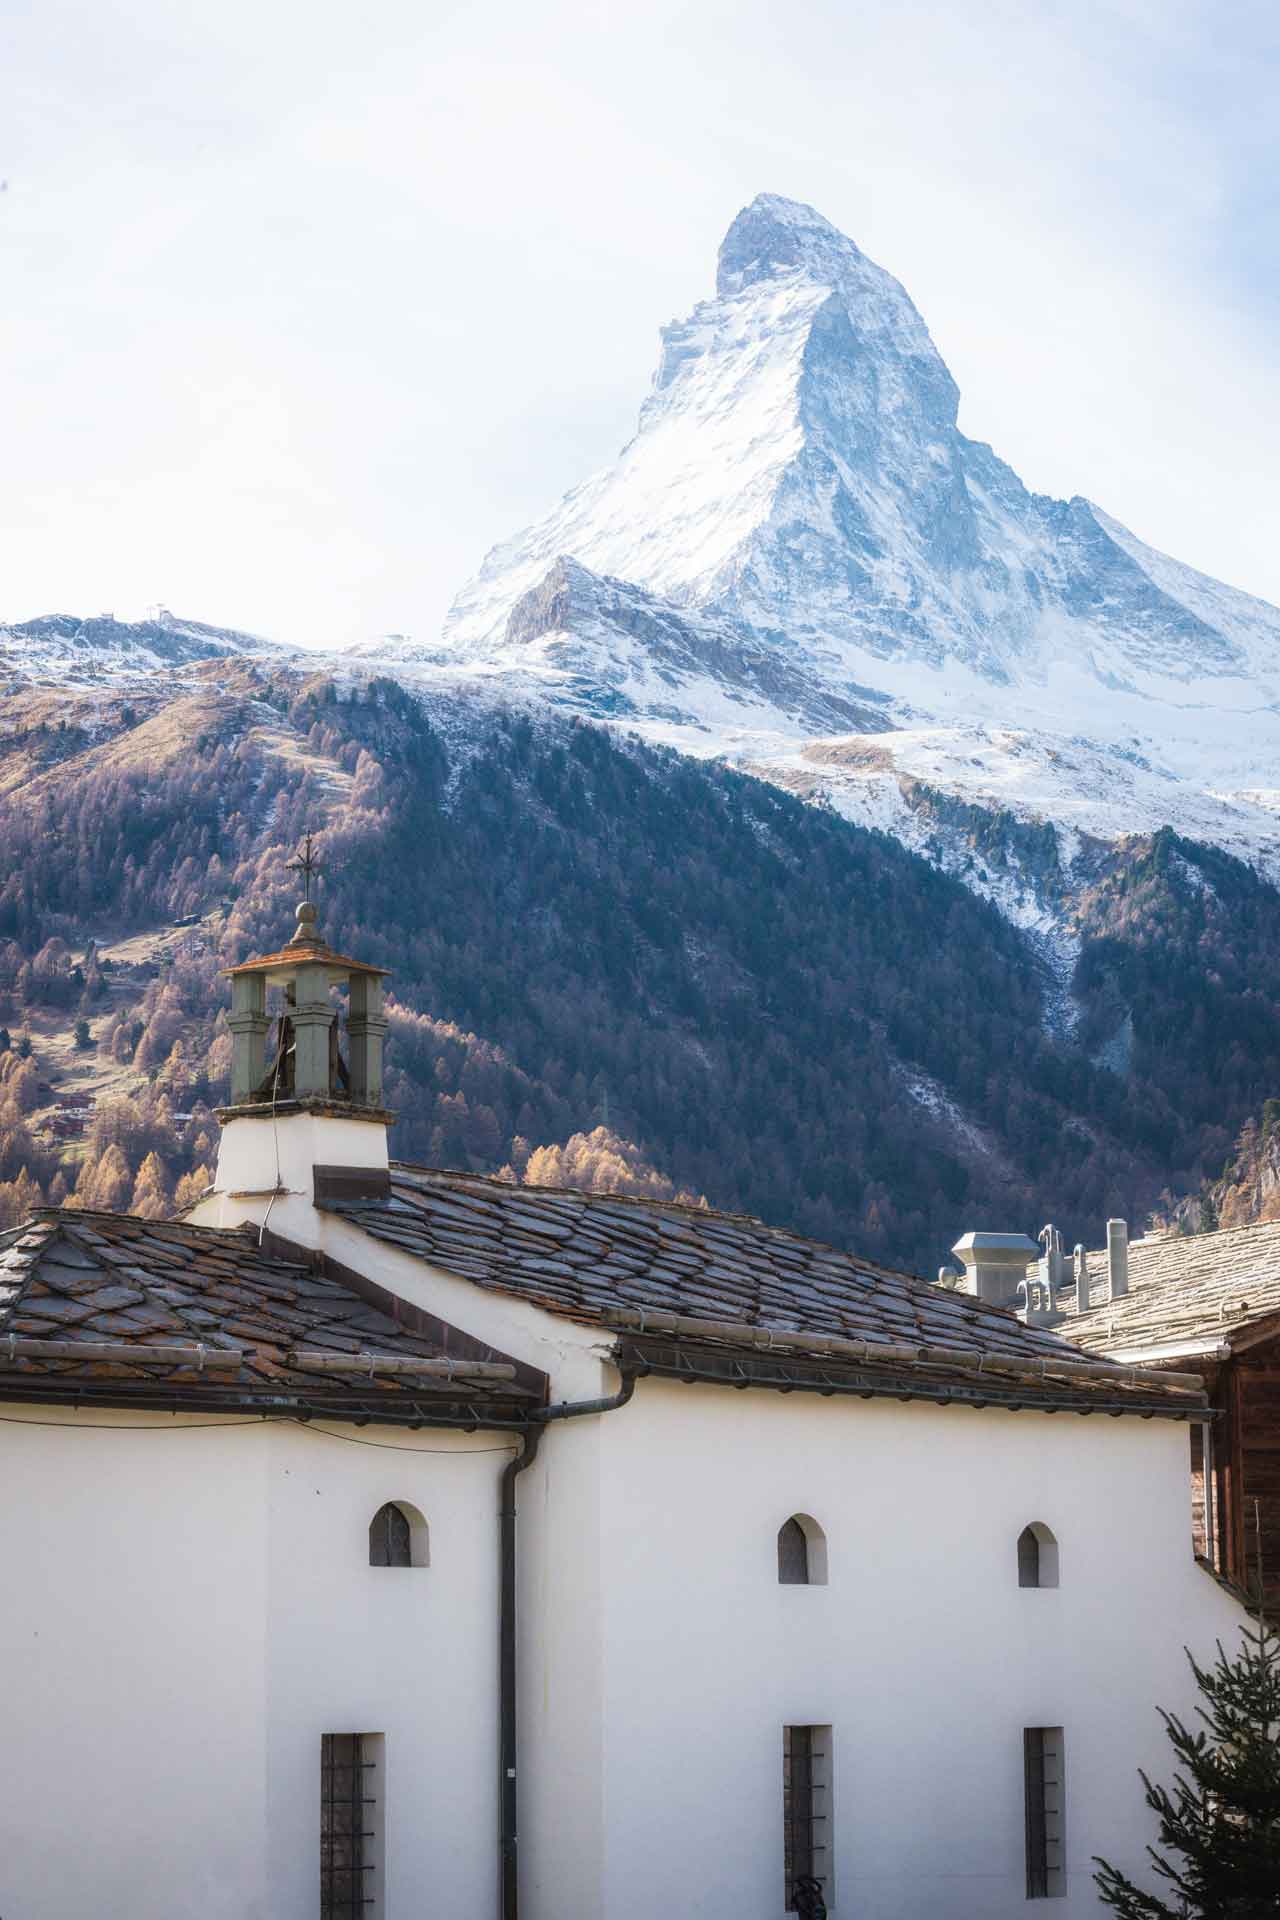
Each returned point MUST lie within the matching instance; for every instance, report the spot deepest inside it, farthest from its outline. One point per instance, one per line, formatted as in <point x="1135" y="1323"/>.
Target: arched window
<point x="802" y="1553"/>
<point x="1037" y="1556"/>
<point x="398" y="1536"/>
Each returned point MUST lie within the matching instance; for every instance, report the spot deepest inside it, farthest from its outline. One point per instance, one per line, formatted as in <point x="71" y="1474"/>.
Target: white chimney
<point x="995" y="1265"/>
<point x="1083" y="1302"/>
<point x="1117" y="1258"/>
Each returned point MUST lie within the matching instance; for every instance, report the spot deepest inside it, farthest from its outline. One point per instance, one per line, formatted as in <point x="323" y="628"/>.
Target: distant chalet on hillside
<point x="270" y="1633"/>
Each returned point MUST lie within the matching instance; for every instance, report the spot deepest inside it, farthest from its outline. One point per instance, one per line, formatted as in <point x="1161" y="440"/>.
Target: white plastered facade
<point x="188" y="1606"/>
<point x="200" y="1610"/>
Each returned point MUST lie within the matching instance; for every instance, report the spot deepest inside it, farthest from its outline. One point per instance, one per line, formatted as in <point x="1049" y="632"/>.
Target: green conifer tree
<point x="1220" y="1824"/>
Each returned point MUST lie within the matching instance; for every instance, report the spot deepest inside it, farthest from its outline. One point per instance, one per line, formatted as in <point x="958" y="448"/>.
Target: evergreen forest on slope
<point x="779" y="1011"/>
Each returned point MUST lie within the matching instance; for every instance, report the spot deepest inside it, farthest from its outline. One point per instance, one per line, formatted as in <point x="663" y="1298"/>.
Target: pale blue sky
<point x="305" y="305"/>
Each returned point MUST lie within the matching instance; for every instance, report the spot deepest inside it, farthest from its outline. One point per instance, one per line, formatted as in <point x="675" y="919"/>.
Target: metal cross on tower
<point x="307" y="865"/>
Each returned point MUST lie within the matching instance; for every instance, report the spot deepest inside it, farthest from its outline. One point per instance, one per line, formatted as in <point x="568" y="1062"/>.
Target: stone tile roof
<point x="85" y="1277"/>
<point x="580" y="1255"/>
<point x="304" y="953"/>
<point x="1197" y="1291"/>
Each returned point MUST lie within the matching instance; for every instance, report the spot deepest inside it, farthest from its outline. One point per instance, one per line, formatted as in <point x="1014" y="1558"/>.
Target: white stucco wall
<point x="660" y="1659"/>
<point x="922" y="1653"/>
<point x="185" y="1611"/>
<point x="266" y="1166"/>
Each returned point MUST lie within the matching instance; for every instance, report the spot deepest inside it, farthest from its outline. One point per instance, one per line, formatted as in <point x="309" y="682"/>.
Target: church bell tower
<point x="306" y="1114"/>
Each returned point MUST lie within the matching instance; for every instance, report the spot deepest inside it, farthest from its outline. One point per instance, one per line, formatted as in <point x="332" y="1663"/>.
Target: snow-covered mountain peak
<point x="799" y="529"/>
<point x="797" y="467"/>
<point x="776" y="235"/>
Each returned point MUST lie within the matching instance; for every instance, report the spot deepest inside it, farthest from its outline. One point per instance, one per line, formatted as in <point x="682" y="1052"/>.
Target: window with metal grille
<point x="1043" y="1768"/>
<point x="806" y="1817"/>
<point x="398" y="1537"/>
<point x="389" y="1537"/>
<point x="347" y="1827"/>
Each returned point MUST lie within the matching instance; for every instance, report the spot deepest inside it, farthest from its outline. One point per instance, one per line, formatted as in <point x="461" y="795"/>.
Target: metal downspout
<point x="507" y="1671"/>
<point x="507" y="1624"/>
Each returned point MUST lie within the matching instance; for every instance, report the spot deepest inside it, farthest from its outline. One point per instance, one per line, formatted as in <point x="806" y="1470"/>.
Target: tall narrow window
<point x="1043" y="1767"/>
<point x="347" y="1830"/>
<point x="806" y="1819"/>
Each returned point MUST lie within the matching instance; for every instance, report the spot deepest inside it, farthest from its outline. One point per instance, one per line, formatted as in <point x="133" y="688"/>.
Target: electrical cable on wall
<point x="205" y="1426"/>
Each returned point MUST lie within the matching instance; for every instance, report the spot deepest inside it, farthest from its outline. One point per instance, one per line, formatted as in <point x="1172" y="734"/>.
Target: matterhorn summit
<point x="799" y="545"/>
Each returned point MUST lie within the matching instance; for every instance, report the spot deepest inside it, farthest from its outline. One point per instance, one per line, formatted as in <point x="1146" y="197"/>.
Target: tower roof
<point x="306" y="949"/>
<point x="310" y="953"/>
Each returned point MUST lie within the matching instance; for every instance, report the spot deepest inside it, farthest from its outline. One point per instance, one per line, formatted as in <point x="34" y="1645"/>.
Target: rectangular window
<point x="1043" y="1768"/>
<point x="806" y="1813"/>
<point x="351" y="1769"/>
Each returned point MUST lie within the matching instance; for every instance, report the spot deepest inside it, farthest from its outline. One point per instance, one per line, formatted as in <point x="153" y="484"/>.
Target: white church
<point x="384" y="1541"/>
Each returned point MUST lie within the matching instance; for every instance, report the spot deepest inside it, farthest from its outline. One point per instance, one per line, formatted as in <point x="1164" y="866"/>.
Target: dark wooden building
<point x="1209" y="1303"/>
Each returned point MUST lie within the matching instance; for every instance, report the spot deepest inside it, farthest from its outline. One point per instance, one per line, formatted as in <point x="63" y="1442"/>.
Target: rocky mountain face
<point x="800" y="545"/>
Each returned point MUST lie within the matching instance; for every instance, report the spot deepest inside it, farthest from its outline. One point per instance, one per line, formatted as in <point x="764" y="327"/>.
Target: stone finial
<point x="305" y="932"/>
<point x="1083" y="1302"/>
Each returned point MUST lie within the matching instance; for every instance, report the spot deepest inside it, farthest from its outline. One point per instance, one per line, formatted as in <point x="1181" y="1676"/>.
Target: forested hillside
<point x="775" y="1009"/>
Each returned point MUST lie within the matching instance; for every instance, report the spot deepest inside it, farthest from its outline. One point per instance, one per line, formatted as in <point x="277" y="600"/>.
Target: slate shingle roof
<point x="1191" y="1291"/>
<point x="88" y="1277"/>
<point x="581" y="1254"/>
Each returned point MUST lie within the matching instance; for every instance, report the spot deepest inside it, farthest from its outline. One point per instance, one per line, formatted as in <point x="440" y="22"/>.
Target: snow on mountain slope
<point x="799" y="527"/>
<point x="65" y="649"/>
<point x="723" y="410"/>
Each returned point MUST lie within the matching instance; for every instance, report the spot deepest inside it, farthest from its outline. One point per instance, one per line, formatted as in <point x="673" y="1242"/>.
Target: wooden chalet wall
<point x="1253" y="1421"/>
<point x="1245" y="1392"/>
